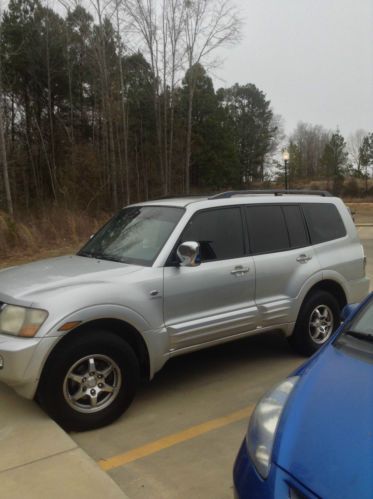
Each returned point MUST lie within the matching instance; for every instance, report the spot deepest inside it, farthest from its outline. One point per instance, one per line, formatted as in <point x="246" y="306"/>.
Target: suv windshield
<point x="135" y="235"/>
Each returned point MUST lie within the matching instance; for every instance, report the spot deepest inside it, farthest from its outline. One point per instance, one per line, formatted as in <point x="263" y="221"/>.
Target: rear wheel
<point x="89" y="381"/>
<point x="318" y="318"/>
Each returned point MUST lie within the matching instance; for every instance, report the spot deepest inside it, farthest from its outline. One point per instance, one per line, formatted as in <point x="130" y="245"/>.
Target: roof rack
<point x="229" y="194"/>
<point x="162" y="198"/>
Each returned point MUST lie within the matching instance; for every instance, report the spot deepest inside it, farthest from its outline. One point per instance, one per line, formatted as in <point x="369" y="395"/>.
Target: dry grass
<point x="52" y="233"/>
<point x="363" y="211"/>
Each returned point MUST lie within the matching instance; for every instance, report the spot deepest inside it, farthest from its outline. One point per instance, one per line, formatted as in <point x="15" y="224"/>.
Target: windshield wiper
<point x="98" y="256"/>
<point x="360" y="336"/>
<point x="106" y="257"/>
<point x="85" y="253"/>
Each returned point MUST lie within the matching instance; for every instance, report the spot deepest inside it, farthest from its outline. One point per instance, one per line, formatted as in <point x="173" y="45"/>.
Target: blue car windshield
<point x="361" y="326"/>
<point x="135" y="235"/>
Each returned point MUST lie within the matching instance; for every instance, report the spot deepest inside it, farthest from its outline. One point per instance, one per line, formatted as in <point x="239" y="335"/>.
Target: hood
<point x="23" y="282"/>
<point x="326" y="437"/>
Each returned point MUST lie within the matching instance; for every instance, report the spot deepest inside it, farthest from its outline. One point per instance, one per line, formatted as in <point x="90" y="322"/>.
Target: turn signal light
<point x="68" y="326"/>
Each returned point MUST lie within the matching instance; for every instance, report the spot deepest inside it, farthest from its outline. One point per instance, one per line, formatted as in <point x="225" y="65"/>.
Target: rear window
<point x="324" y="222"/>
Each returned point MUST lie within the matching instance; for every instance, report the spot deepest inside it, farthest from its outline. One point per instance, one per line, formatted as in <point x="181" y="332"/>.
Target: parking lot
<point x="180" y="436"/>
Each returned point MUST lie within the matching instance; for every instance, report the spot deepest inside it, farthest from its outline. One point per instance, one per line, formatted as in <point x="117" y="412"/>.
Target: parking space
<point x="180" y="436"/>
<point x="190" y="391"/>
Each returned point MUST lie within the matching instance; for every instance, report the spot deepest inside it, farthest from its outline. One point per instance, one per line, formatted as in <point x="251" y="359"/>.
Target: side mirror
<point x="348" y="310"/>
<point x="188" y="254"/>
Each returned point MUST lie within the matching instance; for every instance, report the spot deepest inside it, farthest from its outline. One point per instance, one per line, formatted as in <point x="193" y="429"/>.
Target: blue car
<point x="312" y="435"/>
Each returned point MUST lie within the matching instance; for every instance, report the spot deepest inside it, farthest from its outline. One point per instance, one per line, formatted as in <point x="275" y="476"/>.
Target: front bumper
<point x="279" y="484"/>
<point x="21" y="362"/>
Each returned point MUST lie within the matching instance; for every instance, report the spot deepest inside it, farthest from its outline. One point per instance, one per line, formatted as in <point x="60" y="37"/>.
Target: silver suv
<point x="167" y="277"/>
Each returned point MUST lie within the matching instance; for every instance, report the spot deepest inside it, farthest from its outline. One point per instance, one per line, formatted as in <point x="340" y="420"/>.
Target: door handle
<point x="304" y="258"/>
<point x="240" y="270"/>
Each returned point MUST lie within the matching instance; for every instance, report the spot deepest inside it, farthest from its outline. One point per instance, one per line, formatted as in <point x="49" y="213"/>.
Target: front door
<point x="214" y="300"/>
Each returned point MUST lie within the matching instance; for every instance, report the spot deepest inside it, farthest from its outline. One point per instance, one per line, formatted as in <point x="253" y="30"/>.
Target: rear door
<point x="216" y="299"/>
<point x="284" y="259"/>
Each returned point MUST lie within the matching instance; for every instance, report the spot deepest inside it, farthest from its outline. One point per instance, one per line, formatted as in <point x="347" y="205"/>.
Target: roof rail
<point x="229" y="194"/>
<point x="162" y="198"/>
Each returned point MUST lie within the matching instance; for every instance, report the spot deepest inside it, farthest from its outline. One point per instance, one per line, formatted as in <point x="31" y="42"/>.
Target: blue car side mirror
<point x="348" y="310"/>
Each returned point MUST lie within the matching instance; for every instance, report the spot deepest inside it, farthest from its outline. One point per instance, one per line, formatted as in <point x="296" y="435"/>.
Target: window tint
<point x="296" y="227"/>
<point x="219" y="233"/>
<point x="324" y="222"/>
<point x="267" y="229"/>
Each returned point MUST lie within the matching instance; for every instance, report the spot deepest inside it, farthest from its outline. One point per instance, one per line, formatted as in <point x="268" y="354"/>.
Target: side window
<point x="267" y="229"/>
<point x="324" y="222"/>
<point x="296" y="227"/>
<point x="219" y="233"/>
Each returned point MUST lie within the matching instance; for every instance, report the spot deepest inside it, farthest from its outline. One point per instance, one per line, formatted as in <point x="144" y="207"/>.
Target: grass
<point x="43" y="235"/>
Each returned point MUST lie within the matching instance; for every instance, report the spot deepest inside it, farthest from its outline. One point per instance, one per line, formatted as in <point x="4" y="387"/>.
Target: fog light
<point x="1" y="362"/>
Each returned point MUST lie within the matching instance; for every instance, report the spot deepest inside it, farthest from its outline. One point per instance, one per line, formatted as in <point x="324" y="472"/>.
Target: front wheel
<point x="318" y="318"/>
<point x="90" y="381"/>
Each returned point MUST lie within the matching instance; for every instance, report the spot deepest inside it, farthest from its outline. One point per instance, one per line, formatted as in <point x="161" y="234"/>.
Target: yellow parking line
<point x="175" y="438"/>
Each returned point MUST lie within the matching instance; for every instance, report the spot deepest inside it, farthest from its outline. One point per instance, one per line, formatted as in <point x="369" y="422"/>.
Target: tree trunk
<point x="114" y="176"/>
<point x="144" y="163"/>
<point x="46" y="159"/>
<point x="53" y="170"/>
<point x="189" y="139"/>
<point x="165" y="141"/>
<point x="4" y="162"/>
<point x="124" y="110"/>
<point x="171" y="142"/>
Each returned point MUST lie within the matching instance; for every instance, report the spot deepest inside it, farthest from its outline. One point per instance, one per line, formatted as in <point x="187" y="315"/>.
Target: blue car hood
<point x="325" y="439"/>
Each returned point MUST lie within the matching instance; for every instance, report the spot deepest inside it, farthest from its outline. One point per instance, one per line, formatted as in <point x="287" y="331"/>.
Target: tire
<point x="89" y="381"/>
<point x="318" y="318"/>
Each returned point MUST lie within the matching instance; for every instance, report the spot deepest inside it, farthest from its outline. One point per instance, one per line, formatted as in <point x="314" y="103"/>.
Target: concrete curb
<point x="38" y="459"/>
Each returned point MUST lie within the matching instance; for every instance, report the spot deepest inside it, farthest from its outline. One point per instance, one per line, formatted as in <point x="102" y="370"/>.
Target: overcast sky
<point x="313" y="59"/>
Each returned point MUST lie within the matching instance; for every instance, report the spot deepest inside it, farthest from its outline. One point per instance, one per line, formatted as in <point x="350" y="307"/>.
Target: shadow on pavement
<point x="189" y="369"/>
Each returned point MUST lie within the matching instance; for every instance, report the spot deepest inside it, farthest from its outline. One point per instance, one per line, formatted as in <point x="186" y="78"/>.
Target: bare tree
<point x="101" y="10"/>
<point x="178" y="34"/>
<point x="174" y="15"/>
<point x="160" y="28"/>
<point x="123" y="103"/>
<point x="209" y="25"/>
<point x="4" y="160"/>
<point x="145" y="23"/>
<point x="354" y="143"/>
<point x="278" y="136"/>
<point x="52" y="162"/>
<point x="307" y="144"/>
<point x="3" y="157"/>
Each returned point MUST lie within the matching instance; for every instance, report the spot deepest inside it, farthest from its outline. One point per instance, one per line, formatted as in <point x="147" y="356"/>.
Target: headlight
<point x="263" y="425"/>
<point x="20" y="321"/>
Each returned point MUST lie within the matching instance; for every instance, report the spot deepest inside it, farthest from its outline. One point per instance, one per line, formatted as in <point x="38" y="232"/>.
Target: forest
<point x="106" y="104"/>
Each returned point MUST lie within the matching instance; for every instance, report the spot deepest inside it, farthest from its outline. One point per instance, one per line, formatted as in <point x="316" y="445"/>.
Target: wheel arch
<point x="330" y="286"/>
<point x="300" y="338"/>
<point x="120" y="328"/>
